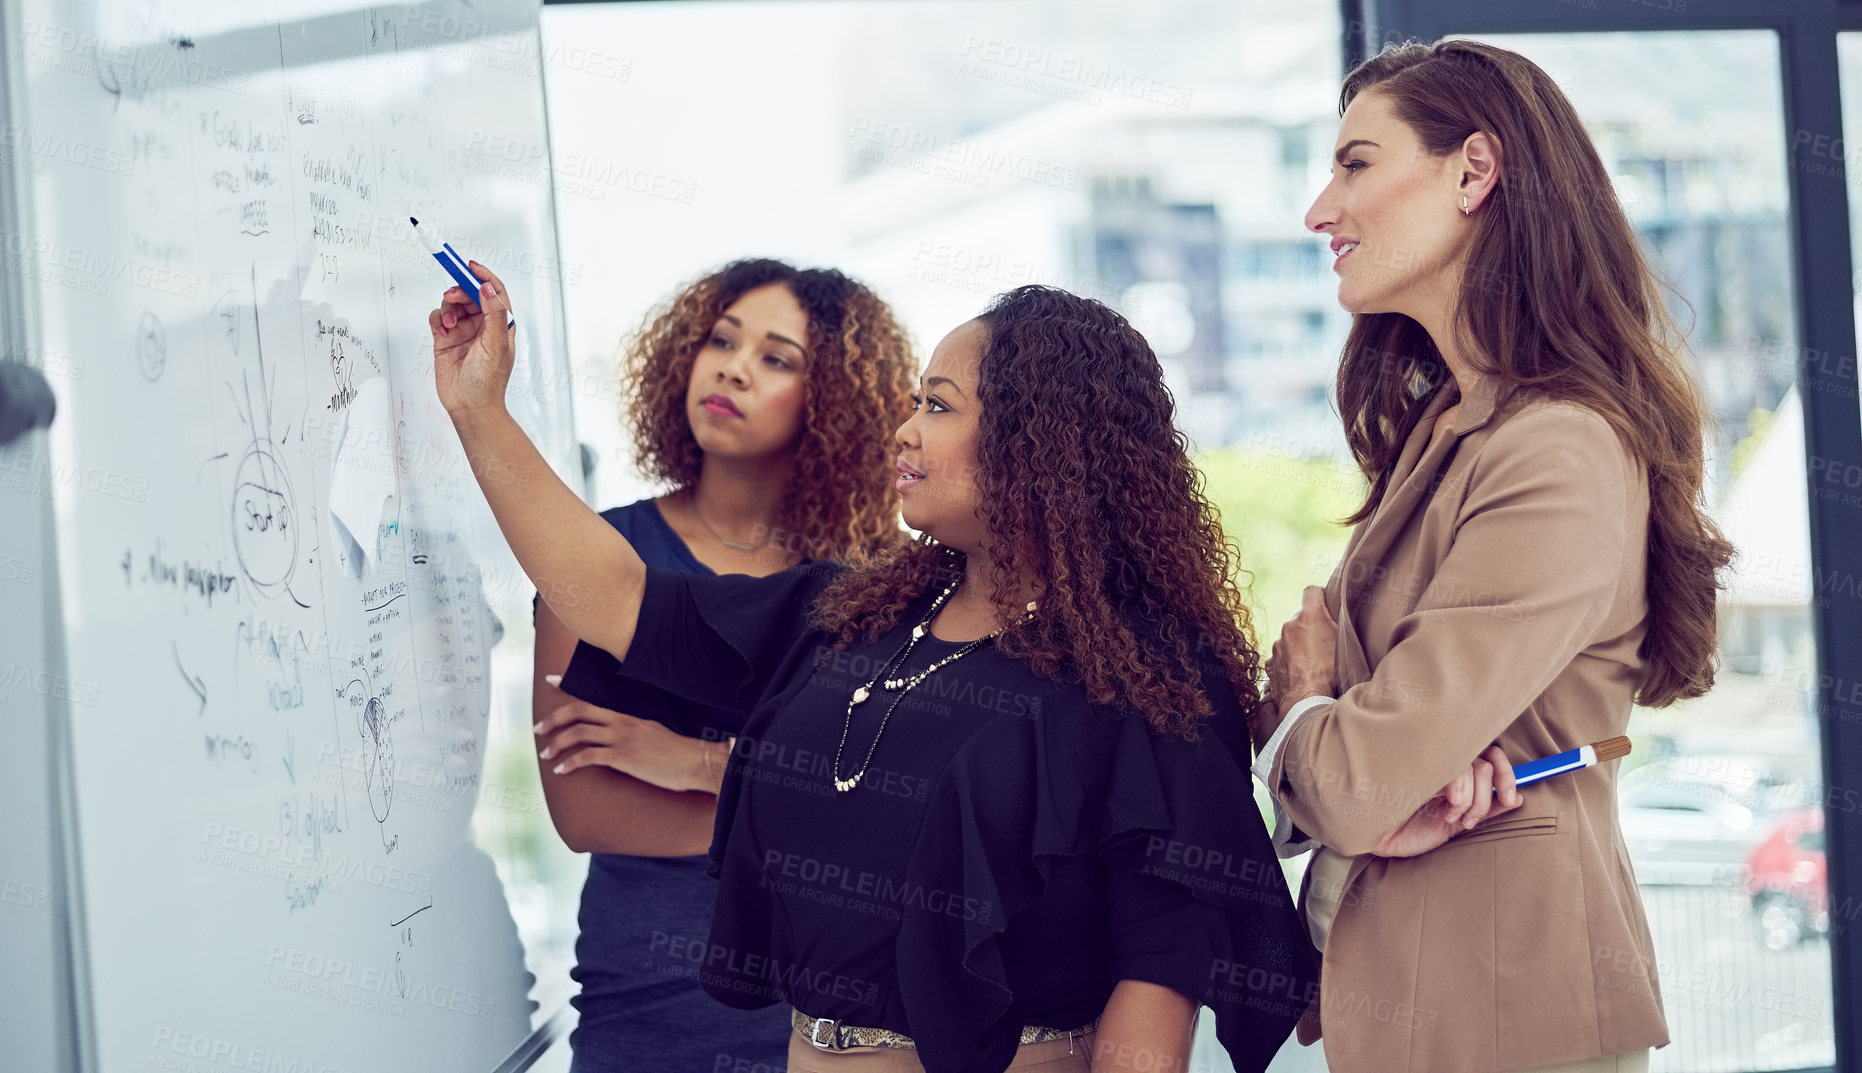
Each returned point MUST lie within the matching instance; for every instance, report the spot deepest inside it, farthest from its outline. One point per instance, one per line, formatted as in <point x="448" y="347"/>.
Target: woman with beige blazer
<point x="1531" y="557"/>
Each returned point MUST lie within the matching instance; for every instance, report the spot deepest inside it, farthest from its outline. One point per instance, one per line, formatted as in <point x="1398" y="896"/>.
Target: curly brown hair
<point x="1086" y="485"/>
<point x="840" y="502"/>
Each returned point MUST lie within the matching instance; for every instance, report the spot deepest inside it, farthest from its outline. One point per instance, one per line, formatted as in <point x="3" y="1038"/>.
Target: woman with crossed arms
<point x="765" y="397"/>
<point x="1531" y="556"/>
<point x="980" y="815"/>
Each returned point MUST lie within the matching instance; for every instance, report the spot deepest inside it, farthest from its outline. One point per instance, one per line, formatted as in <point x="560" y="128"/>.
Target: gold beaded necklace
<point x="901" y="686"/>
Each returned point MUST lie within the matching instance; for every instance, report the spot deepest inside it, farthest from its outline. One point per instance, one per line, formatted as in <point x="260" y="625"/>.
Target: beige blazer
<point x="1496" y="597"/>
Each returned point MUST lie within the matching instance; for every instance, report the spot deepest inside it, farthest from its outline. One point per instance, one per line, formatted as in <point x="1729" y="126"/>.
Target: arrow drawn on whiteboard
<point x="197" y="685"/>
<point x="415" y="913"/>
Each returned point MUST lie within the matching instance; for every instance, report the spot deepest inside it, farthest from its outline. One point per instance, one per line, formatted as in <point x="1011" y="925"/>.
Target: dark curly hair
<point x="840" y="502"/>
<point x="1085" y="485"/>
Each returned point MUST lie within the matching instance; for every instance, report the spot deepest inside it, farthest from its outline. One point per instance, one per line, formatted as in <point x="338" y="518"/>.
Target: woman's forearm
<point x="585" y="571"/>
<point x="600" y="810"/>
<point x="597" y="810"/>
<point x="1145" y="1026"/>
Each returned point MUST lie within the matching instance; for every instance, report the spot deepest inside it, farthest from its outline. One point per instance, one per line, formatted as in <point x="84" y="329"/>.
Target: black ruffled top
<point x="1012" y="852"/>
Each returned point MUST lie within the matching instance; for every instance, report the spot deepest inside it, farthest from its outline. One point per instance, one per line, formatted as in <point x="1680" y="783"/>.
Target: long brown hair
<point x="840" y="501"/>
<point x="1555" y="297"/>
<point x="1085" y="485"/>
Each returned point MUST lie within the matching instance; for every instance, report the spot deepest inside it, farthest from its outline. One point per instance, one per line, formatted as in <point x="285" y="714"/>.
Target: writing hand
<point x="472" y="355"/>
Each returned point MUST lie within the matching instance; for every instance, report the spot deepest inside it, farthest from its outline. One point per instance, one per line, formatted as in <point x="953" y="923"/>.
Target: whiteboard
<point x="280" y="586"/>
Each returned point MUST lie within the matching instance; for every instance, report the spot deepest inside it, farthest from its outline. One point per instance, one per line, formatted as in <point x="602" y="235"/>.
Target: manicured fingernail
<point x="545" y="754"/>
<point x="553" y="679"/>
<point x="557" y="769"/>
<point x="536" y="727"/>
<point x="491" y="291"/>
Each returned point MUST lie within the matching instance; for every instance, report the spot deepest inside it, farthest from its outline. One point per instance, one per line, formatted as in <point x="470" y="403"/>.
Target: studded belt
<point x="831" y="1035"/>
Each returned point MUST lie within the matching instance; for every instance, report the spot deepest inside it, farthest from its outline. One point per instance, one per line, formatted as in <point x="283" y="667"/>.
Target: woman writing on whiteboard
<point x="980" y="814"/>
<point x="764" y="396"/>
<point x="1531" y="557"/>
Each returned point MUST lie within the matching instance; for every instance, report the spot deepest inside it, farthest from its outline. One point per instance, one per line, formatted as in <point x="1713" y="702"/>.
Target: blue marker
<point x="454" y="265"/>
<point x="1570" y="760"/>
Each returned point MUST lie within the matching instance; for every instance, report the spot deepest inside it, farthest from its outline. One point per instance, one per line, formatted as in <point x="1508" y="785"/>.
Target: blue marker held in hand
<point x="1583" y="756"/>
<point x="454" y="265"/>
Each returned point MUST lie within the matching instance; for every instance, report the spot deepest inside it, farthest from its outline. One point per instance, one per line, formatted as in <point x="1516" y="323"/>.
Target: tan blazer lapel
<point x="1410" y="482"/>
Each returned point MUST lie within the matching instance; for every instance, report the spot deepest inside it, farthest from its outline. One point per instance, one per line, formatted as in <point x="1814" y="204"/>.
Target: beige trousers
<point x="1062" y="1055"/>
<point x="1627" y="1062"/>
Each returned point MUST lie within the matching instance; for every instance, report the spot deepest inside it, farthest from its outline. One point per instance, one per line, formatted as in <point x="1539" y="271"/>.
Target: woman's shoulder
<point x="1544" y="441"/>
<point x="1535" y="422"/>
<point x="647" y="528"/>
<point x="631" y="518"/>
<point x="1209" y="673"/>
<point x="783" y="595"/>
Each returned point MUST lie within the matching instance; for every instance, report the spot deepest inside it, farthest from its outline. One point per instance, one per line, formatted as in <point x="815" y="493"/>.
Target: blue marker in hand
<point x="454" y="264"/>
<point x="1570" y="760"/>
